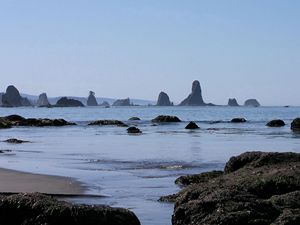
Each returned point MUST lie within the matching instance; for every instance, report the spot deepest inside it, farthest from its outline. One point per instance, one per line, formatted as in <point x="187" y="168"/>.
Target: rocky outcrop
<point x="105" y="104"/>
<point x="37" y="209"/>
<point x="133" y="130"/>
<point x="166" y="119"/>
<point x="252" y="103"/>
<point x="276" y="123"/>
<point x="192" y="126"/>
<point x="295" y="125"/>
<point x="122" y="102"/>
<point x="68" y="102"/>
<point x="92" y="101"/>
<point x="108" y="123"/>
<point x="233" y="102"/>
<point x="238" y="120"/>
<point x="195" y="98"/>
<point x="258" y="188"/>
<point x="163" y="100"/>
<point x="16" y="120"/>
<point x="12" y="98"/>
<point x="43" y="100"/>
<point x="134" y="118"/>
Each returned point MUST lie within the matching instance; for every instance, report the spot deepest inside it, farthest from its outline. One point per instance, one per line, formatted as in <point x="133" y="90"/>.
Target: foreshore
<point x="20" y="182"/>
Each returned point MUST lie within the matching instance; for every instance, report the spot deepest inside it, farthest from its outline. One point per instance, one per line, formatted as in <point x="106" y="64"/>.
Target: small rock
<point x="166" y="119"/>
<point x="276" y="123"/>
<point x="15" y="141"/>
<point x="191" y="126"/>
<point x="238" y="120"/>
<point x="134" y="118"/>
<point x="108" y="123"/>
<point x="134" y="130"/>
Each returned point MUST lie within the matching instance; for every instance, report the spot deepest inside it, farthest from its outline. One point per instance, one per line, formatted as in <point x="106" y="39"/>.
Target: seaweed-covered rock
<point x="68" y="102"/>
<point x="238" y="120"/>
<point x="259" y="188"/>
<point x="108" y="123"/>
<point x="37" y="209"/>
<point x="276" y="123"/>
<point x="133" y="130"/>
<point x="192" y="126"/>
<point x="166" y="119"/>
<point x="295" y="125"/>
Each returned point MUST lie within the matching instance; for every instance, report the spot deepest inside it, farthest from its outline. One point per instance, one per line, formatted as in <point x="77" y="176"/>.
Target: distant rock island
<point x="68" y="102"/>
<point x="122" y="102"/>
<point x="163" y="100"/>
<point x="12" y="98"/>
<point x="233" y="102"/>
<point x="92" y="101"/>
<point x="252" y="103"/>
<point x="43" y="100"/>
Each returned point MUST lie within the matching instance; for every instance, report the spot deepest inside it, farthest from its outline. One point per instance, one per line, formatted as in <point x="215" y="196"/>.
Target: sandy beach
<point x="18" y="182"/>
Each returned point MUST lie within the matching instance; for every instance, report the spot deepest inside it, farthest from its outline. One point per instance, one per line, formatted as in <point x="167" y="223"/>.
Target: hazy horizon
<point x="120" y="49"/>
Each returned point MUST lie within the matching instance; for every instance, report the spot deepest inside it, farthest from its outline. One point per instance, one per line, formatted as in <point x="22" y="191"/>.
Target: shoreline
<point x="13" y="181"/>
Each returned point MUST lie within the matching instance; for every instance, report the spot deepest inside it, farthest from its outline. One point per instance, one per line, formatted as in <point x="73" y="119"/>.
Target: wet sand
<point x="15" y="182"/>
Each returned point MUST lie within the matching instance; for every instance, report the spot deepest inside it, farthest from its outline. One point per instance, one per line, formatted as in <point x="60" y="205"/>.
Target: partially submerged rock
<point x="37" y="209"/>
<point x="192" y="126"/>
<point x="276" y="123"/>
<point x="238" y="120"/>
<point x="252" y="103"/>
<point x="233" y="102"/>
<point x="295" y="125"/>
<point x="260" y="188"/>
<point x="92" y="101"/>
<point x="68" y="102"/>
<point x="15" y="141"/>
<point x="163" y="99"/>
<point x="108" y="123"/>
<point x="134" y="118"/>
<point x="166" y="119"/>
<point x="133" y="130"/>
<point x="122" y="102"/>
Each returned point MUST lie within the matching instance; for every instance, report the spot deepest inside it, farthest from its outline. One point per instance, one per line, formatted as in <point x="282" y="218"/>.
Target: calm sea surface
<point x="133" y="171"/>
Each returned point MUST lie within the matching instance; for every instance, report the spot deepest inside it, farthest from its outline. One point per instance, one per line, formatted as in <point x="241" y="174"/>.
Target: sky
<point x="137" y="48"/>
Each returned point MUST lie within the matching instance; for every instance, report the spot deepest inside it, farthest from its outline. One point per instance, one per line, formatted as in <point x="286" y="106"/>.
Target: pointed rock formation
<point x="122" y="102"/>
<point x="66" y="102"/>
<point x="195" y="98"/>
<point x="252" y="103"/>
<point x="233" y="102"/>
<point x="12" y="98"/>
<point x="43" y="100"/>
<point x="163" y="100"/>
<point x="92" y="101"/>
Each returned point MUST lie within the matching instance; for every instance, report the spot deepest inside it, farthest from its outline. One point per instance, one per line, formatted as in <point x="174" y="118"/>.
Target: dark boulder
<point x="166" y="119"/>
<point x="43" y="101"/>
<point x="37" y="209"/>
<point x="15" y="141"/>
<point x="276" y="123"/>
<point x="233" y="102"/>
<point x="122" y="102"/>
<point x="66" y="102"/>
<point x="134" y="118"/>
<point x="295" y="125"/>
<point x="133" y="130"/>
<point x="252" y="103"/>
<point x="92" y="101"/>
<point x="238" y="120"/>
<point x="108" y="123"/>
<point x="195" y="98"/>
<point x="259" y="188"/>
<point x="192" y="126"/>
<point x="163" y="100"/>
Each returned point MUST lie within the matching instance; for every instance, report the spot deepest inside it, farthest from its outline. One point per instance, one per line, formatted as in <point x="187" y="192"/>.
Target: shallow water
<point x="133" y="171"/>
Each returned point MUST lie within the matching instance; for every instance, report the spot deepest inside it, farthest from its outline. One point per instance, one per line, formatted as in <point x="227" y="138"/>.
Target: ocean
<point x="133" y="171"/>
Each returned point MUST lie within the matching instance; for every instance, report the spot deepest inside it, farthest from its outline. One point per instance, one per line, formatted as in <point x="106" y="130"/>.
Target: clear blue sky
<point x="136" y="48"/>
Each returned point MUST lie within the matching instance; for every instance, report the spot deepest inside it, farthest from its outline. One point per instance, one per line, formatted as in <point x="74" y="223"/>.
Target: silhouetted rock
<point x="192" y="126"/>
<point x="133" y="130"/>
<point x="258" y="188"/>
<point x="195" y="98"/>
<point x="163" y="100"/>
<point x="38" y="209"/>
<point x="12" y="98"/>
<point x="166" y="119"/>
<point x="238" y="120"/>
<point x="108" y="123"/>
<point x="232" y="102"/>
<point x="122" y="102"/>
<point x="105" y="104"/>
<point x="43" y="100"/>
<point x="15" y="141"/>
<point x="66" y="102"/>
<point x="295" y="126"/>
<point x="16" y="120"/>
<point x="276" y="123"/>
<point x="134" y="118"/>
<point x="1" y="98"/>
<point x="92" y="101"/>
<point x="252" y="103"/>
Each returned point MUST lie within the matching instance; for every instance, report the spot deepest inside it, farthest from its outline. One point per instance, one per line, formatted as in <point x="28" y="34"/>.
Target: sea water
<point x="133" y="171"/>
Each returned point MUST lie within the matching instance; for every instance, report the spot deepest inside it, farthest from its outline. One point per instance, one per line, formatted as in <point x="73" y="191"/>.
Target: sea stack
<point x="163" y="100"/>
<point x="252" y="103"/>
<point x="91" y="99"/>
<point x="122" y="102"/>
<point x="232" y="102"/>
<point x="195" y="98"/>
<point x="66" y="102"/>
<point x="43" y="100"/>
<point x="12" y="98"/>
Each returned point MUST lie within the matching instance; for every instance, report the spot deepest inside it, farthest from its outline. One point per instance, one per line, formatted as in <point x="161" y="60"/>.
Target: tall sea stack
<point x="92" y="101"/>
<point x="195" y="98"/>
<point x="43" y="100"/>
<point x="232" y="102"/>
<point x="163" y="100"/>
<point x="12" y="98"/>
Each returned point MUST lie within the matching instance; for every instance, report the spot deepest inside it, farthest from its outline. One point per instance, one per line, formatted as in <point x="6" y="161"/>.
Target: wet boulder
<point x="15" y="141"/>
<point x="276" y="123"/>
<point x="37" y="209"/>
<point x="68" y="102"/>
<point x="295" y="125"/>
<point x="238" y="120"/>
<point x="192" y="126"/>
<point x="108" y="123"/>
<point x="166" y="119"/>
<point x="134" y="118"/>
<point x="134" y="130"/>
